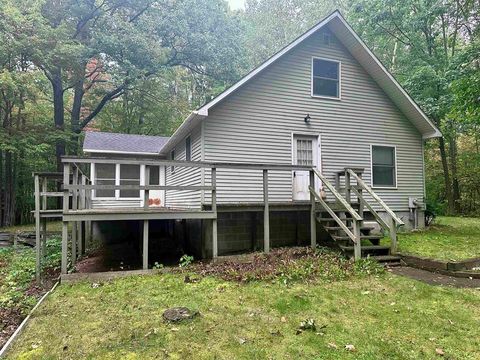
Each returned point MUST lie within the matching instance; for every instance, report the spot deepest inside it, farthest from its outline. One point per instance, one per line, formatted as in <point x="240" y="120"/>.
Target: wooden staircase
<point x="343" y="219"/>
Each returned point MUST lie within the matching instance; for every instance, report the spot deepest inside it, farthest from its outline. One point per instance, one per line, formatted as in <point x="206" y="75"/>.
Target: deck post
<point x="66" y="180"/>
<point x="37" y="228"/>
<point x="313" y="215"/>
<point x="348" y="190"/>
<point x="88" y="223"/>
<point x="266" y="214"/>
<point x="82" y="225"/>
<point x="44" y="221"/>
<point x="74" y="225"/>
<point x="214" y="209"/>
<point x="145" y="244"/>
<point x="146" y="192"/>
<point x="361" y="202"/>
<point x="393" y="235"/>
<point x="357" y="246"/>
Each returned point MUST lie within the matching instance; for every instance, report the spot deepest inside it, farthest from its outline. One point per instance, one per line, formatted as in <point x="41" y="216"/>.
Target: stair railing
<point x="356" y="218"/>
<point x="394" y="221"/>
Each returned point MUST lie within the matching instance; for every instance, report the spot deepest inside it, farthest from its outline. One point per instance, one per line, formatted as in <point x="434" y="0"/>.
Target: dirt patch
<point x="12" y="317"/>
<point x="113" y="257"/>
<point x="433" y="278"/>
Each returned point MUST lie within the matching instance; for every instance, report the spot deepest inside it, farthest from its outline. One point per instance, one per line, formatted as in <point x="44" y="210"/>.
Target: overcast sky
<point x="236" y="4"/>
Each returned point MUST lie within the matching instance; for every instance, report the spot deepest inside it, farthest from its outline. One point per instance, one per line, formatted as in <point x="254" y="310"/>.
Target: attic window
<point x="328" y="38"/>
<point x="326" y="78"/>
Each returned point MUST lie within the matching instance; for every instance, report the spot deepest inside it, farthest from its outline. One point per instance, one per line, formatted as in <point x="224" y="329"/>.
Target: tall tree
<point x="420" y="41"/>
<point x="92" y="52"/>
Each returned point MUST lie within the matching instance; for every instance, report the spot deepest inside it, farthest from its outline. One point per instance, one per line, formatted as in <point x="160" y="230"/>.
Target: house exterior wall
<point x="256" y="123"/>
<point x="185" y="176"/>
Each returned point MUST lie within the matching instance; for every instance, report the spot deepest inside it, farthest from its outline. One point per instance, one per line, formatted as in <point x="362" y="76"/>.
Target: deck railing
<point x="394" y="222"/>
<point x="78" y="188"/>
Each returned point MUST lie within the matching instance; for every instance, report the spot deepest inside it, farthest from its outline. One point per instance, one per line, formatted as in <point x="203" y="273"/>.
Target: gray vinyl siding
<point x="183" y="176"/>
<point x="255" y="124"/>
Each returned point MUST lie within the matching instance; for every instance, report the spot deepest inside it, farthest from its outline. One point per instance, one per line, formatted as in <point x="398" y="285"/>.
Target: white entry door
<point x="305" y="152"/>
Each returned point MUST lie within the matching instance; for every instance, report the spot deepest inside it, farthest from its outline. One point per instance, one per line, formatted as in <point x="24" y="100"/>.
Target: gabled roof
<point x="113" y="143"/>
<point x="347" y="36"/>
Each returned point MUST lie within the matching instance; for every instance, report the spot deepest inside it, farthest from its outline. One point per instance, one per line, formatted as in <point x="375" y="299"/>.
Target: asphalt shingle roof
<point x="112" y="142"/>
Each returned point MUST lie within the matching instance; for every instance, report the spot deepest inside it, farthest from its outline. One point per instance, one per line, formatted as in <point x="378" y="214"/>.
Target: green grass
<point x="449" y="238"/>
<point x="51" y="226"/>
<point x="382" y="316"/>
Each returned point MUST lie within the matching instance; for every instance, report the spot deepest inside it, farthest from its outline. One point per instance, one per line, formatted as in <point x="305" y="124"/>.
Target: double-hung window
<point x="326" y="78"/>
<point x="384" y="172"/>
<point x="105" y="174"/>
<point x="117" y="174"/>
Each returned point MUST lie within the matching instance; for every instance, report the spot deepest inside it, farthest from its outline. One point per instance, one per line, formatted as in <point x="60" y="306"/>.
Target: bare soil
<point x="435" y="278"/>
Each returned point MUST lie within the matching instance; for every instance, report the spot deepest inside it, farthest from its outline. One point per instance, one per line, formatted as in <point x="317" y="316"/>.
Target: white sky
<point x="236" y="4"/>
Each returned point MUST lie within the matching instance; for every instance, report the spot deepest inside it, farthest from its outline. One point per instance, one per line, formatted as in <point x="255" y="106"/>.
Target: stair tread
<point x="363" y="237"/>
<point x="331" y="219"/>
<point x="339" y="228"/>
<point x="367" y="247"/>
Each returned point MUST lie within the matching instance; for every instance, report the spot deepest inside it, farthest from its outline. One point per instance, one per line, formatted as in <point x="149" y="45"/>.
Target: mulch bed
<point x="259" y="266"/>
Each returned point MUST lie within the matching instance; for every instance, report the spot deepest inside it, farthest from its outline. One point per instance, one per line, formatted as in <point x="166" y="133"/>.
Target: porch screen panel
<point x="304" y="152"/>
<point x="105" y="175"/>
<point x="129" y="175"/>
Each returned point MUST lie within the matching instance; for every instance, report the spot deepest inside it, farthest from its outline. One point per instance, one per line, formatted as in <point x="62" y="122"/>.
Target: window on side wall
<point x="172" y="157"/>
<point x="384" y="172"/>
<point x="188" y="149"/>
<point x="326" y="78"/>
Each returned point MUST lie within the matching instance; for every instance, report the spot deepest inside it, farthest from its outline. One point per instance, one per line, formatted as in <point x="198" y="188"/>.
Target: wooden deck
<point x="136" y="213"/>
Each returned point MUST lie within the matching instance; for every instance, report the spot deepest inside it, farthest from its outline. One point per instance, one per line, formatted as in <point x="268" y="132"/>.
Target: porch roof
<point x="114" y="143"/>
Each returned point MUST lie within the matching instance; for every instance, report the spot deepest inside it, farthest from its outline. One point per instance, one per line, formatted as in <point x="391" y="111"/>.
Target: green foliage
<point x="17" y="272"/>
<point x="185" y="260"/>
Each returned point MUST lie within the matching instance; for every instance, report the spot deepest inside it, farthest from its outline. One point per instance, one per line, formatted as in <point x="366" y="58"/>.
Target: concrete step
<point x="367" y="248"/>
<point x="390" y="259"/>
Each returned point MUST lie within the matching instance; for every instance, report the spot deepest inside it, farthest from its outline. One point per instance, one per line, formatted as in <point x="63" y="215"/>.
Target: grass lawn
<point x="383" y="316"/>
<point x="51" y="226"/>
<point x="449" y="238"/>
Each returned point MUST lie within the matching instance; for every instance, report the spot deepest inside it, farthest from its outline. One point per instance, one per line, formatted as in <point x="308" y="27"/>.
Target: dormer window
<point x="325" y="78"/>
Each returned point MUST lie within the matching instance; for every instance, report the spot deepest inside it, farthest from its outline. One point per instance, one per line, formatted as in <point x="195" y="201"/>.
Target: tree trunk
<point x="76" y="111"/>
<point x="446" y="175"/>
<point x="58" y="114"/>
<point x="455" y="183"/>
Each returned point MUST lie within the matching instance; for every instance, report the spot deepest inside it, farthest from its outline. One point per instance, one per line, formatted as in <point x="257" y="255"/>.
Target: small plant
<point x="157" y="266"/>
<point x="368" y="267"/>
<point x="185" y="260"/>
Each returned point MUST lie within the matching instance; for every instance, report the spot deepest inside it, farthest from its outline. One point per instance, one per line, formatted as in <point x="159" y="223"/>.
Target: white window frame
<point x="386" y="187"/>
<point x="117" y="182"/>
<point x="339" y="97"/>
